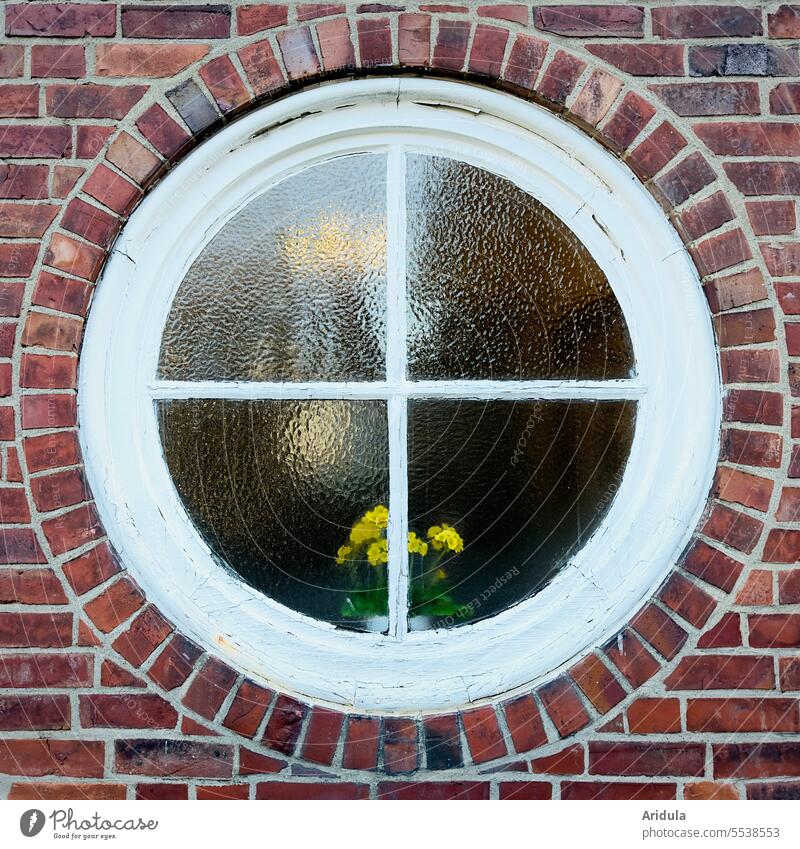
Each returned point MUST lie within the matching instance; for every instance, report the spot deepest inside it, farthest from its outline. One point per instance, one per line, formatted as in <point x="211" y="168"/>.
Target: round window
<point x="399" y="394"/>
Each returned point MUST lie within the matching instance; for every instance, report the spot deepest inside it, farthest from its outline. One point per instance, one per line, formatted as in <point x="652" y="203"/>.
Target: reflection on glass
<point x="521" y="487"/>
<point x="293" y="287"/>
<point x="499" y="287"/>
<point x="274" y="487"/>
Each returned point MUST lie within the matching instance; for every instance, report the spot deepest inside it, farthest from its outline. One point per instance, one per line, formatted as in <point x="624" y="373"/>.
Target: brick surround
<point x="697" y="697"/>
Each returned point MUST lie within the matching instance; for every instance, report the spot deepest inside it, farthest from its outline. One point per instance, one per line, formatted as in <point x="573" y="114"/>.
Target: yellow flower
<point x="364" y="531"/>
<point x="378" y="552"/>
<point x="342" y="553"/>
<point x="378" y="517"/>
<point x="416" y="545"/>
<point x="445" y="537"/>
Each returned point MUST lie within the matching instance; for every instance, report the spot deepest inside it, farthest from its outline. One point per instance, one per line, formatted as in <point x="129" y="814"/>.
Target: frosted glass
<point x="274" y="488"/>
<point x="293" y="287"/>
<point x="502" y="494"/>
<point x="499" y="287"/>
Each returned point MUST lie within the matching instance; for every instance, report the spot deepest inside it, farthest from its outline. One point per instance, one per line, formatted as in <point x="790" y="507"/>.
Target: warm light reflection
<point x="336" y="240"/>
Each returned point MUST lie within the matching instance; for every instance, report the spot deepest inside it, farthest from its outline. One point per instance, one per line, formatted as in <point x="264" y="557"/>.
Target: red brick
<point x="34" y="758"/>
<point x="146" y="60"/>
<point x="706" y="215"/>
<point x="62" y="489"/>
<point x="434" y="790"/>
<point x="784" y="99"/>
<point x="789" y="587"/>
<point x="595" y="98"/>
<point x="632" y="659"/>
<point x="91" y="569"/>
<point x="720" y="252"/>
<point x="322" y="736"/>
<point x="400" y="745"/>
<point x="742" y="715"/>
<point x="654" y="716"/>
<point x="282" y="790"/>
<point x="31" y="586"/>
<point x="113" y="675"/>
<point x="595" y="21"/>
<point x="12" y="60"/>
<point x="748" y="366"/>
<point x="756" y="760"/>
<point x="229" y="791"/>
<point x="165" y="134"/>
<point x="145" y="710"/>
<point x="113" y="606"/>
<point x="51" y="450"/>
<point x="175" y="663"/>
<point x="248" y="708"/>
<point x="788" y="297"/>
<point x="710" y="790"/>
<point x="335" y="44"/>
<point x="442" y="742"/>
<point x="687" y="600"/>
<point x="374" y="42"/>
<point x="765" y="178"/>
<point x="514" y="12"/>
<point x="148" y="631"/>
<point x="173" y="758"/>
<point x="712" y="21"/>
<point x="66" y="61"/>
<point x="742" y="60"/>
<point x="13" y="506"/>
<point x="26" y="671"/>
<point x="261" y="67"/>
<point x="659" y="148"/>
<point x="752" y="448"/>
<point x="74" y="257"/>
<point x="735" y="290"/>
<point x="782" y="260"/>
<point x="530" y="790"/>
<point x="361" y="743"/>
<point x="225" y="84"/>
<point x="596" y="790"/>
<point x="722" y="672"/>
<point x="789" y="506"/>
<point x="253" y="763"/>
<point x="310" y="11"/>
<point x="488" y="49"/>
<point x="285" y="724"/>
<point x="42" y="630"/>
<point x="524" y="723"/>
<point x="414" y="39"/>
<point x="650" y="759"/>
<point x="569" y="761"/>
<point x="525" y="60"/>
<point x="733" y="528"/>
<point x="642" y="60"/>
<point x="776" y="630"/>
<point x="762" y="138"/>
<point x="299" y="56"/>
<point x="59" y="792"/>
<point x="769" y="790"/>
<point x="209" y="689"/>
<point x="174" y="21"/>
<point x="563" y="706"/>
<point x="162" y="792"/>
<point x="772" y="218"/>
<point x="252" y="19"/>
<point x="686" y="179"/>
<point x="73" y="529"/>
<point x="111" y="190"/>
<point x="91" y="139"/>
<point x="743" y="488"/>
<point x="19" y="101"/>
<point x="629" y="119"/>
<point x="25" y="220"/>
<point x="484" y="736"/>
<point x="23" y="181"/>
<point x="91" y="100"/>
<point x="65" y="178"/>
<point x="718" y="98"/>
<point x="560" y="77"/>
<point x="598" y="683"/>
<point x="757" y="589"/>
<point x="711" y="565"/>
<point x="789" y="672"/>
<point x="61" y="20"/>
<point x="450" y="50"/>
<point x="17" y="259"/>
<point x="34" y="713"/>
<point x="784" y="22"/>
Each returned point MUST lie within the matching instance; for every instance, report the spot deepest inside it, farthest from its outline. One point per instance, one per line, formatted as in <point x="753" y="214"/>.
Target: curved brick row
<point x="654" y="692"/>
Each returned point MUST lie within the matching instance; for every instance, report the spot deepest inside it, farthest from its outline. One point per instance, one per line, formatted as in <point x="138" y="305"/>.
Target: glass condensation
<point x="502" y="494"/>
<point x="499" y="287"/>
<point x="293" y="287"/>
<point x="277" y="488"/>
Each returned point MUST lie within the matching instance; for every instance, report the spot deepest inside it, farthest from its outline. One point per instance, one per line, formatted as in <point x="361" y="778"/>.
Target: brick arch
<point x="169" y="681"/>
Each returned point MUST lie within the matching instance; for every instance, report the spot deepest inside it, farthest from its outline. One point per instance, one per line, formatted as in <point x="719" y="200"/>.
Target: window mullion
<point x="397" y="532"/>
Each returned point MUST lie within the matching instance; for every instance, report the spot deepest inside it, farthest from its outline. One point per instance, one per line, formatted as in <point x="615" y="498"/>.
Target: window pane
<point x="502" y="494"/>
<point x="275" y="488"/>
<point x="293" y="287"/>
<point x="499" y="287"/>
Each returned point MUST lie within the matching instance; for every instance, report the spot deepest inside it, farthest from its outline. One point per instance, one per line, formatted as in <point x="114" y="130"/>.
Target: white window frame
<point x="677" y="387"/>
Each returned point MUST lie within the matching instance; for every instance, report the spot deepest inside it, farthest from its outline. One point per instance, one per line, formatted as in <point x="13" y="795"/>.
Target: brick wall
<point x="696" y="697"/>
